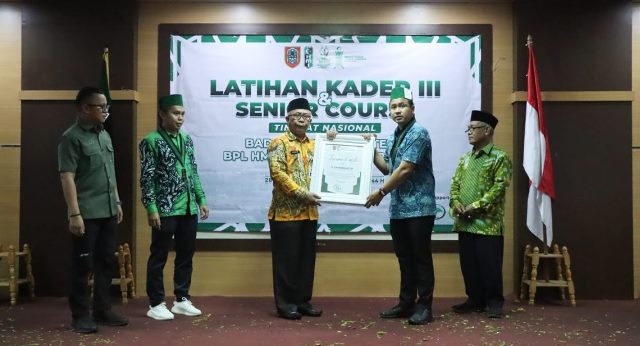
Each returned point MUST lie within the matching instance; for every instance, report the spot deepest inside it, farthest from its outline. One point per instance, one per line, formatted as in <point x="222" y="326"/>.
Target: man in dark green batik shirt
<point x="477" y="207"/>
<point x="173" y="196"/>
<point x="88" y="177"/>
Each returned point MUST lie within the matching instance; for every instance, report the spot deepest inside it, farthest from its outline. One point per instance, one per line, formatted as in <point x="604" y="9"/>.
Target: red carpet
<point x="346" y="321"/>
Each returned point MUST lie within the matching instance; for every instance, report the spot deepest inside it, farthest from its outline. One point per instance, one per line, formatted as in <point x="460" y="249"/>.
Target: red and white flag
<point x="537" y="160"/>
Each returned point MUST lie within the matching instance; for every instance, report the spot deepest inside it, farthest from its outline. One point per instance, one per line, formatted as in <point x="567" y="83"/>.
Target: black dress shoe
<point x="467" y="307"/>
<point x="494" y="312"/>
<point x="289" y="314"/>
<point x="397" y="312"/>
<point x="309" y="311"/>
<point x="84" y="325"/>
<point x="421" y="316"/>
<point x="110" y="318"/>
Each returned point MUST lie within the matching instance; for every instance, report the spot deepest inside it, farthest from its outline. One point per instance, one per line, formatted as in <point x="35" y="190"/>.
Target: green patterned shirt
<point x="168" y="187"/>
<point x="481" y="179"/>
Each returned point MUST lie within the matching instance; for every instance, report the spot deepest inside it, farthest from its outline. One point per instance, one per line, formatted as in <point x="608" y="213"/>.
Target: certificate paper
<point x="341" y="170"/>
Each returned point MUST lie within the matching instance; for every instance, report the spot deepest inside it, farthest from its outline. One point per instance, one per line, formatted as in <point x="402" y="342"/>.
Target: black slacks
<point x="412" y="245"/>
<point x="293" y="256"/>
<point x="93" y="252"/>
<point x="481" y="264"/>
<point x="183" y="230"/>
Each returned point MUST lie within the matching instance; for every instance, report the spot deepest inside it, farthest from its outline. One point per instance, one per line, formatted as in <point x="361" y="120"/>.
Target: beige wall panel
<point x="9" y="196"/>
<point x="10" y="60"/>
<point x="249" y="274"/>
<point x="636" y="222"/>
<point x="252" y="275"/>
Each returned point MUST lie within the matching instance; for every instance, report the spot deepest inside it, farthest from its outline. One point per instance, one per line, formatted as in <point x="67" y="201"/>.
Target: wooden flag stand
<point x="530" y="273"/>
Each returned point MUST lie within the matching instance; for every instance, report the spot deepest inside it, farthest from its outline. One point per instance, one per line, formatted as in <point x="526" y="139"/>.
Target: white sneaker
<point x="185" y="307"/>
<point x="160" y="312"/>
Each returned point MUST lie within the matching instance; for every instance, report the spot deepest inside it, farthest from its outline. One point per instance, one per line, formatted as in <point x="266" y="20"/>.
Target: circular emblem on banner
<point x="440" y="211"/>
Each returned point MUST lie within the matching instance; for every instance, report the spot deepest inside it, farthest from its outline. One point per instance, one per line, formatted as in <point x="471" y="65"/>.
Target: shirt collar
<point x="399" y="131"/>
<point x="486" y="149"/>
<point x="169" y="134"/>
<point x="293" y="137"/>
<point x="90" y="127"/>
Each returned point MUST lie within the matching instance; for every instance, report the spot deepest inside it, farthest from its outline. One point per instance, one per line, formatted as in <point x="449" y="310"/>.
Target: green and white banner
<point x="236" y="89"/>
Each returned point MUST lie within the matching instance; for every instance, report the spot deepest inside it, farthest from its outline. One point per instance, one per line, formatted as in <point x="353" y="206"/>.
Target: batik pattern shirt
<point x="290" y="161"/>
<point x="168" y="187"/>
<point x="415" y="197"/>
<point x="481" y="180"/>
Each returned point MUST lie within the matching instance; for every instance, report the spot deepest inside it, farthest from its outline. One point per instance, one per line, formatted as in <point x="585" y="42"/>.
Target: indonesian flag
<point x="537" y="160"/>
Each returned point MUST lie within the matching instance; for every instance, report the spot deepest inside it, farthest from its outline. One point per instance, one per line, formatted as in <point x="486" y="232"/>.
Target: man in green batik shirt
<point x="173" y="196"/>
<point x="477" y="207"/>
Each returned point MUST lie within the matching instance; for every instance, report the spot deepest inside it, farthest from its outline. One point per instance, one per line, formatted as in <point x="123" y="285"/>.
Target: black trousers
<point x="293" y="256"/>
<point x="183" y="230"/>
<point x="412" y="245"/>
<point x="94" y="252"/>
<point x="481" y="264"/>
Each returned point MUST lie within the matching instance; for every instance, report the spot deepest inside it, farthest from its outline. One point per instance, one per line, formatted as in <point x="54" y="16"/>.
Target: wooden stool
<point x="14" y="281"/>
<point x="563" y="269"/>
<point x="125" y="281"/>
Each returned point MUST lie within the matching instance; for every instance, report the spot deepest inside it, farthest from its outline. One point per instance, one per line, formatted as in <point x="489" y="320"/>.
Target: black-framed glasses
<point x="104" y="108"/>
<point x="473" y="128"/>
<point x="304" y="116"/>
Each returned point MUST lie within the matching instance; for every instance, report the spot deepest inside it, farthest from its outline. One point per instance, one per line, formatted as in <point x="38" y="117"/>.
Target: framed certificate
<point x="341" y="171"/>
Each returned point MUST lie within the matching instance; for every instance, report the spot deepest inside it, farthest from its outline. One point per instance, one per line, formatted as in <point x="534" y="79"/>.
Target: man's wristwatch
<point x="382" y="192"/>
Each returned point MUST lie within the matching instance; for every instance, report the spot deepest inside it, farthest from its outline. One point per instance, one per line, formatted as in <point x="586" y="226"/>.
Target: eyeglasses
<point x="473" y="128"/>
<point x="301" y="115"/>
<point x="104" y="108"/>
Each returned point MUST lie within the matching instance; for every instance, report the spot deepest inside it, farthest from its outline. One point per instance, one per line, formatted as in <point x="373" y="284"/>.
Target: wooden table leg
<point x="11" y="261"/>
<point x="556" y="251"/>
<point x="570" y="286"/>
<point x="129" y="268"/>
<point x="525" y="270"/>
<point x="123" y="277"/>
<point x="535" y="261"/>
<point x="29" y="271"/>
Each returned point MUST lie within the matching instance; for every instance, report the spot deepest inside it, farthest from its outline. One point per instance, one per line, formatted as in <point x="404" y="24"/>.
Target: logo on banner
<point x="324" y="61"/>
<point x="308" y="57"/>
<point x="440" y="211"/>
<point x="339" y="57"/>
<point x="292" y="56"/>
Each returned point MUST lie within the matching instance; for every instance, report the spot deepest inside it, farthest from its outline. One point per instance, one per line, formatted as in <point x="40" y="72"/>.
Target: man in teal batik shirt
<point x="412" y="210"/>
<point x="477" y="207"/>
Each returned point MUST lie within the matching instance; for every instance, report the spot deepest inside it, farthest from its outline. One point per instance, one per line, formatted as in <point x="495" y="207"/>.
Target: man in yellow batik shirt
<point x="293" y="215"/>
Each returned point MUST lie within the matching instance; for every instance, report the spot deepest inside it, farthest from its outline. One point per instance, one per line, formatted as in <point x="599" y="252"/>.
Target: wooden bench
<point x="530" y="273"/>
<point x="12" y="258"/>
<point x="125" y="272"/>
